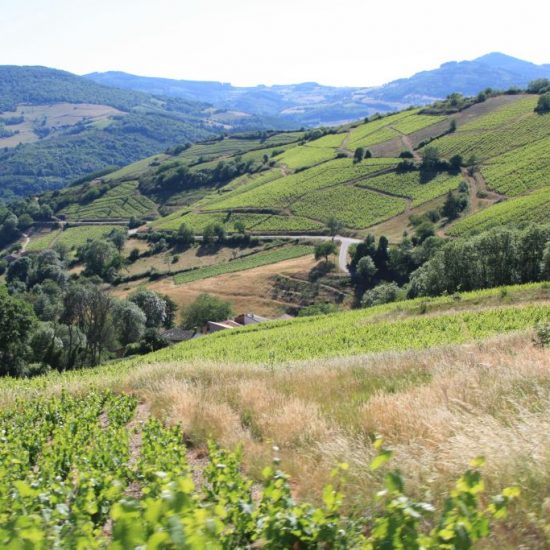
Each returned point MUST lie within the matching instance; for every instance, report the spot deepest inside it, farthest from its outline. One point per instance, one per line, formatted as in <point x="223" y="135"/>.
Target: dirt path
<point x="26" y="241"/>
<point x="135" y="430"/>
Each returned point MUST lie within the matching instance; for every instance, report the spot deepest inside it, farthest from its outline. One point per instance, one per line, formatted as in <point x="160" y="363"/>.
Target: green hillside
<point x="298" y="181"/>
<point x="56" y="127"/>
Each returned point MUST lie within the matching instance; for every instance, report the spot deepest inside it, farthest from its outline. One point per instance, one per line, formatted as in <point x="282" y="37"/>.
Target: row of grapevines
<point x="66" y="488"/>
<point x="352" y="333"/>
<point x="532" y="208"/>
<point x="355" y="207"/>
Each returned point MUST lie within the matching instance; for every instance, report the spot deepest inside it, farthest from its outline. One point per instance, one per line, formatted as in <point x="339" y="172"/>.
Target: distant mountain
<point x="311" y="104"/>
<point x="56" y="127"/>
<point x="494" y="70"/>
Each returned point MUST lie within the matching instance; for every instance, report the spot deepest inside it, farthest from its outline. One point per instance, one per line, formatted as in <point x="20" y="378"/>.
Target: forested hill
<point x="56" y="127"/>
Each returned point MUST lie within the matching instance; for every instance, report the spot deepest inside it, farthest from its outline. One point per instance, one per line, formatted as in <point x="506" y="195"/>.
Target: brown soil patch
<point x="248" y="291"/>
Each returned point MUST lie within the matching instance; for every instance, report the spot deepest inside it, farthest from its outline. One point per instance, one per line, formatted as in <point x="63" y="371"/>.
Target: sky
<point x="249" y="42"/>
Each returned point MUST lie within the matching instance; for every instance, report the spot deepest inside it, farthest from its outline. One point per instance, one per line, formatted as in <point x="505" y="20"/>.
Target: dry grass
<point x="249" y="290"/>
<point x="435" y="409"/>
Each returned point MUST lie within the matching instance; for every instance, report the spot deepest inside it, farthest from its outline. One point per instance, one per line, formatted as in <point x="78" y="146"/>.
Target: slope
<point x="56" y="127"/>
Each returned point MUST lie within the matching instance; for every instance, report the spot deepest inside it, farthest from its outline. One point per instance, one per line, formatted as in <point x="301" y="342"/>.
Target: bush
<point x="543" y="105"/>
<point x="384" y="293"/>
<point x="542" y="335"/>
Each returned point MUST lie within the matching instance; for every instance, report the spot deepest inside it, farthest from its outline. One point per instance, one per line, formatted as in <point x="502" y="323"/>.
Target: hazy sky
<point x="353" y="42"/>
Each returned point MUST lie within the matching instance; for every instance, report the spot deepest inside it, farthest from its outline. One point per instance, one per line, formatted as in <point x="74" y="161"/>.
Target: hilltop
<point x="56" y="127"/>
<point x="313" y="104"/>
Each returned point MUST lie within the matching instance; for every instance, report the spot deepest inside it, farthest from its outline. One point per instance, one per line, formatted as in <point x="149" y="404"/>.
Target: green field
<point x="304" y="156"/>
<point x="352" y="333"/>
<point x="532" y="208"/>
<point x="122" y="201"/>
<point x="521" y="170"/>
<point x="249" y="262"/>
<point x="253" y="222"/>
<point x="73" y="237"/>
<point x="355" y="207"/>
<point x="409" y="184"/>
<point x="284" y="191"/>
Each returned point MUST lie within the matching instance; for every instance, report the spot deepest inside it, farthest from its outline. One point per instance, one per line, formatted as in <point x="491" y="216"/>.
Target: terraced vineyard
<point x="520" y="170"/>
<point x="304" y="156"/>
<point x="531" y="208"/>
<point x="122" y="201"/>
<point x="294" y="183"/>
<point x="249" y="262"/>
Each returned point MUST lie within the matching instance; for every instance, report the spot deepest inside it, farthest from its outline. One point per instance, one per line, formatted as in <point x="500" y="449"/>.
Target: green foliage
<point x="324" y="250"/>
<point x="67" y="470"/>
<point x="248" y="262"/>
<point x="351" y="333"/>
<point x="205" y="308"/>
<point x="531" y="208"/>
<point x="17" y="321"/>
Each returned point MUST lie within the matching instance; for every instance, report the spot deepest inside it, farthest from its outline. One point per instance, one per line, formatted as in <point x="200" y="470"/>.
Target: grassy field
<point x="122" y="201"/>
<point x="73" y="237"/>
<point x="257" y="259"/>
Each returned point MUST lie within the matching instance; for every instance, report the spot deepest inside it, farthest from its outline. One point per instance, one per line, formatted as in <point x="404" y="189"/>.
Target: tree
<point x="98" y="257"/>
<point x="89" y="308"/>
<point x="118" y="238"/>
<point x="205" y="308"/>
<point x="240" y="227"/>
<point x="152" y="304"/>
<point x="324" y="250"/>
<point x="185" y="237"/>
<point x="543" y="104"/>
<point x="334" y="226"/>
<point x="456" y="162"/>
<point x="359" y="154"/>
<point x="424" y="230"/>
<point x="451" y="207"/>
<point x="538" y="86"/>
<point x="17" y="322"/>
<point x="208" y="234"/>
<point x="129" y="321"/>
<point x="19" y="270"/>
<point x="366" y="270"/>
<point x="430" y="158"/>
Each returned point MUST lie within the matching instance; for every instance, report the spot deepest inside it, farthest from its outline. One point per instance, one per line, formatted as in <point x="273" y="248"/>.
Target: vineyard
<point x="521" y="170"/>
<point x="72" y="238"/>
<point x="353" y="333"/>
<point x="254" y="223"/>
<point x="249" y="262"/>
<point x="123" y="201"/>
<point x="304" y="156"/>
<point x="410" y="184"/>
<point x="357" y="208"/>
<point x="74" y="477"/>
<point x="532" y="208"/>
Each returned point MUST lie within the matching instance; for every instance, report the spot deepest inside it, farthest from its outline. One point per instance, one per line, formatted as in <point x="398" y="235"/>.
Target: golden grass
<point x="436" y="409"/>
